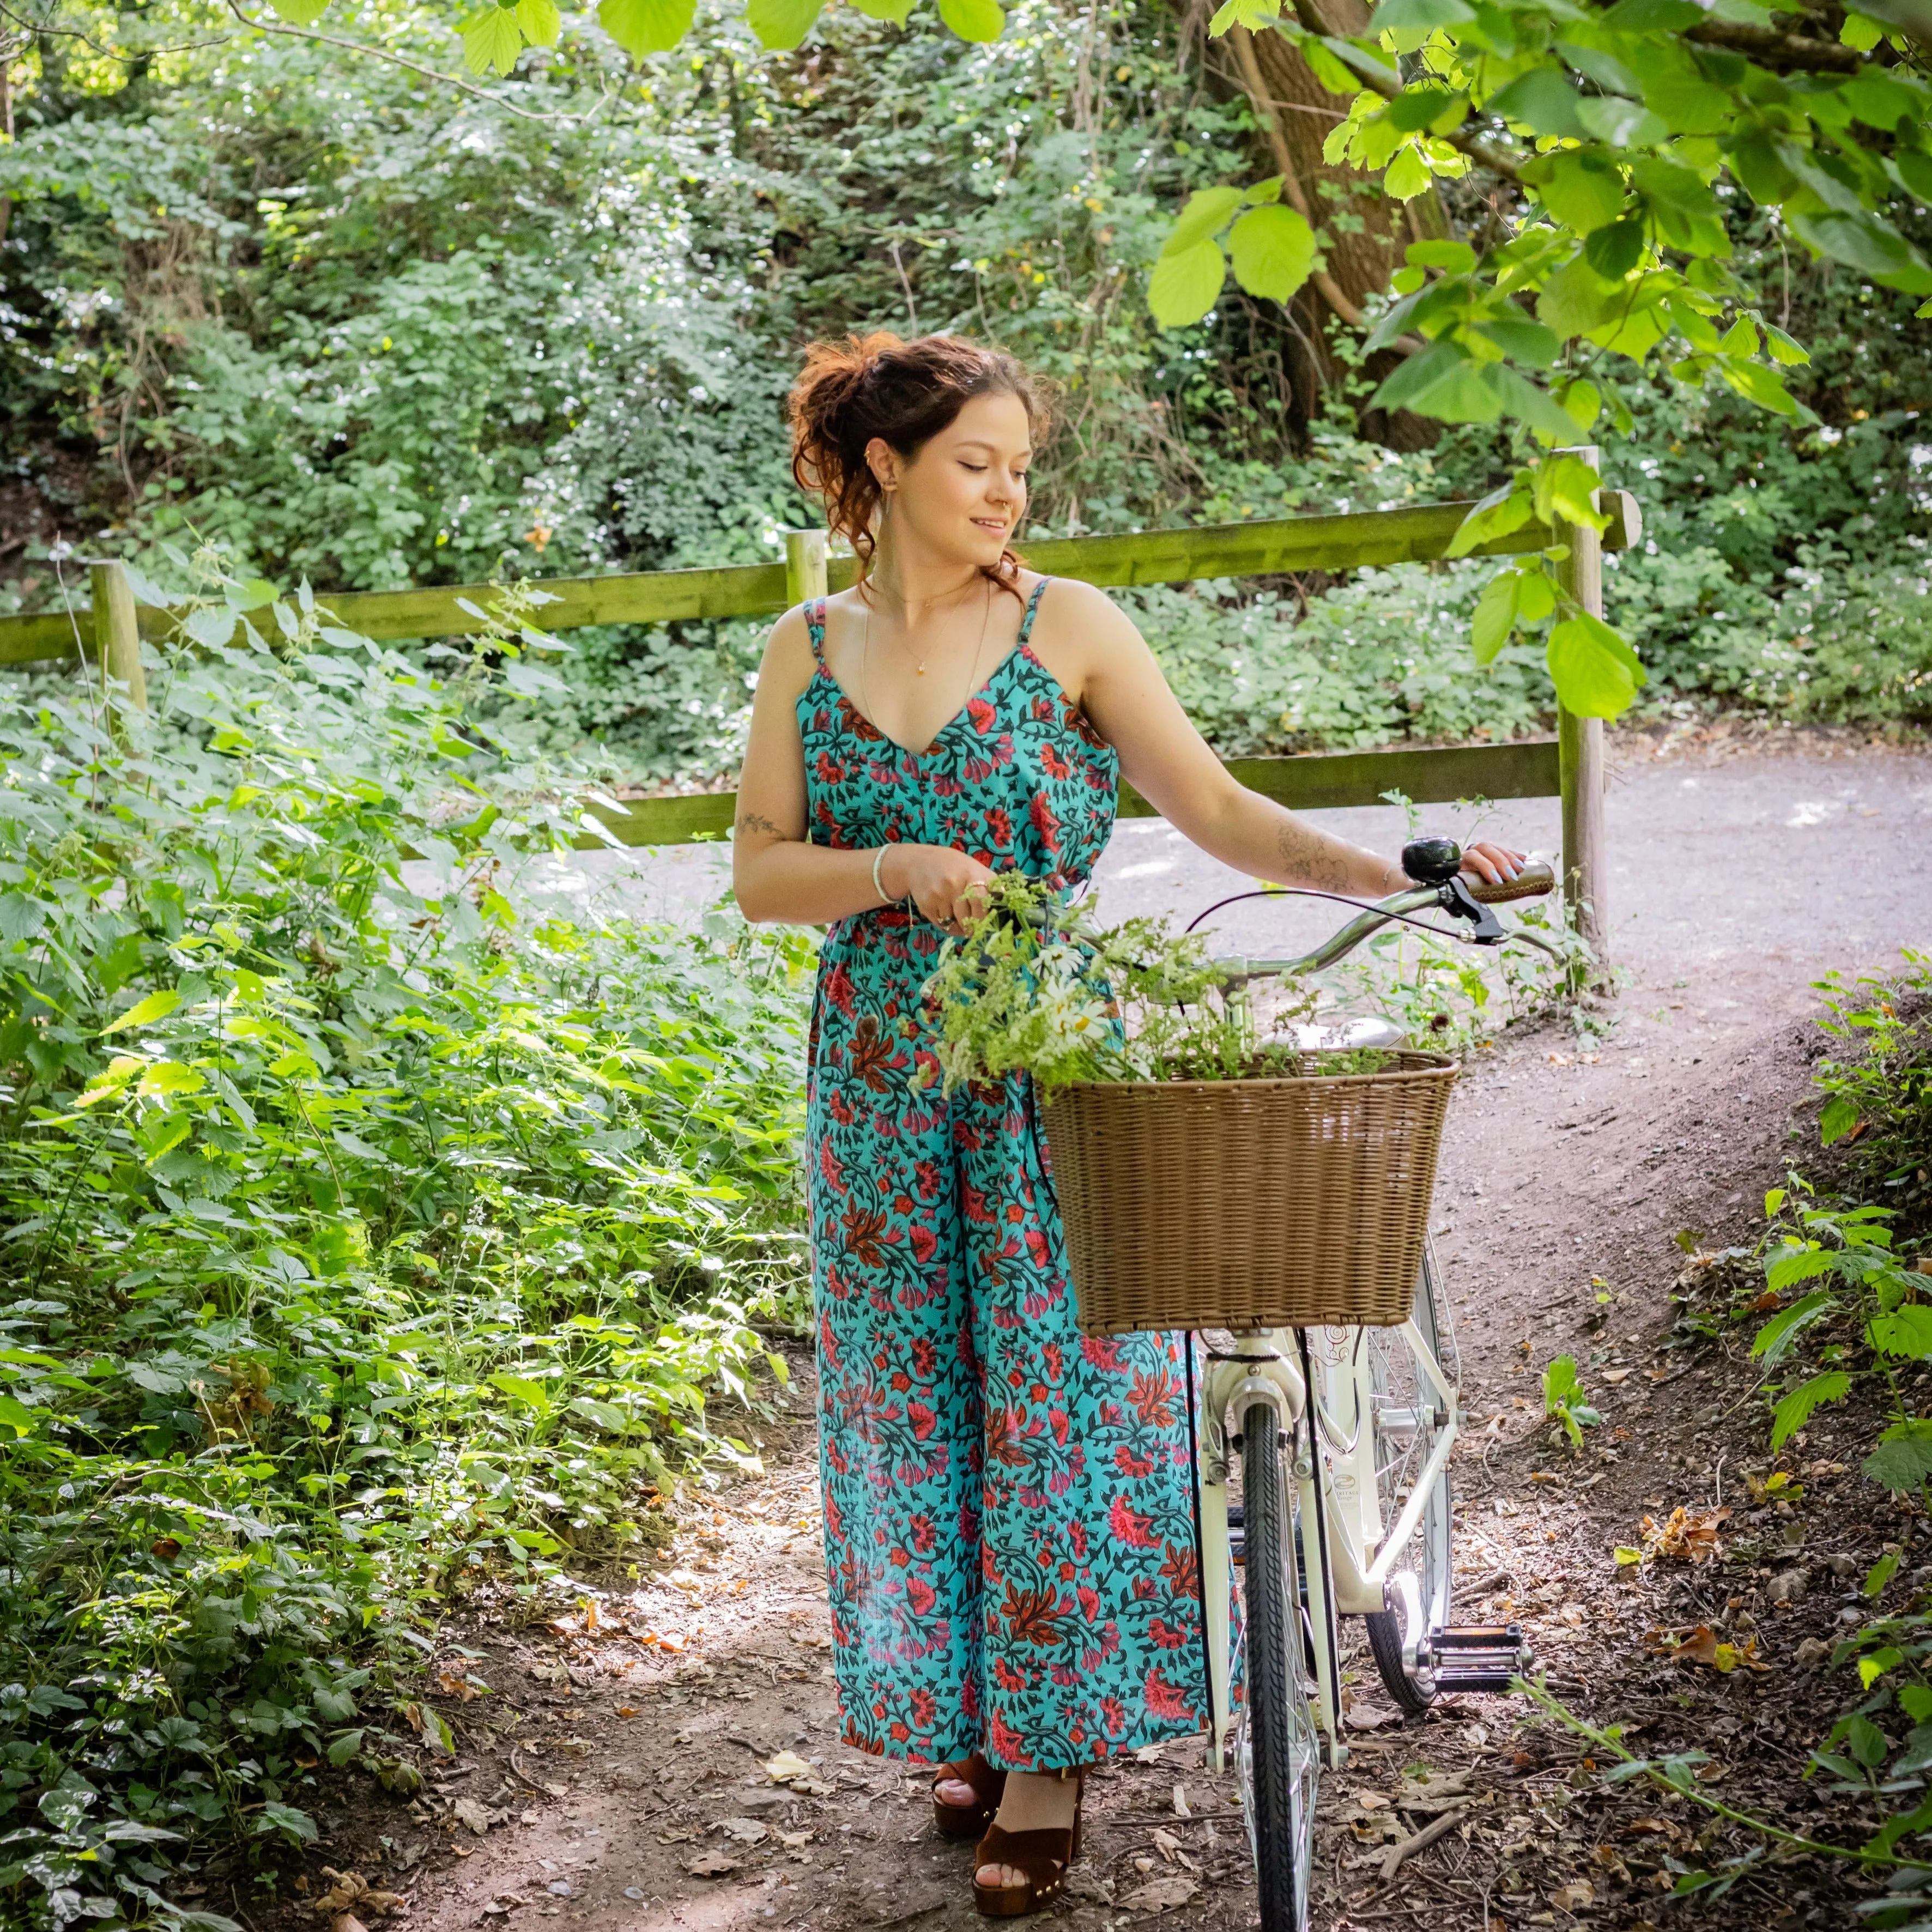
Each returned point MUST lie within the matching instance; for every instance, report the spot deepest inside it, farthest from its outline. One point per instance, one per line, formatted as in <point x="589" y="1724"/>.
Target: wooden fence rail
<point x="110" y="629"/>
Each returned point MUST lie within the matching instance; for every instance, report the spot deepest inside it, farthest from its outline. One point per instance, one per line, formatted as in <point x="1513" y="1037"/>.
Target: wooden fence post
<point x="804" y="565"/>
<point x="1580" y="749"/>
<point x="117" y="637"/>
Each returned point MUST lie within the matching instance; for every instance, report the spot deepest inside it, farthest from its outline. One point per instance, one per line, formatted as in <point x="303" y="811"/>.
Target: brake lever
<point x="1460" y="903"/>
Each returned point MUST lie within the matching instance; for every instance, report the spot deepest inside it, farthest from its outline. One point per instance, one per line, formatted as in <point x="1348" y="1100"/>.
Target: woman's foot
<point x="1033" y="1802"/>
<point x="965" y="1795"/>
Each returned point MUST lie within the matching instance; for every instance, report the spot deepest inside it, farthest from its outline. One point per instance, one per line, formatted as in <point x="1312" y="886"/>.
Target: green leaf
<point x="1272" y="250"/>
<point x="1407" y="175"/>
<point x="1862" y="31"/>
<point x="1866" y="1740"/>
<point x="1393" y="16"/>
<point x="1663" y="180"/>
<point x="1577" y="298"/>
<point x="297" y="1826"/>
<point x="1595" y="673"/>
<point x="1906" y="1332"/>
<point x="1544" y="100"/>
<point x="1902" y="1459"/>
<point x="1876" y="1577"/>
<point x="1333" y="74"/>
<point x="1864" y="242"/>
<point x="978" y="21"/>
<point x="1794" y="1410"/>
<point x="1207" y="209"/>
<point x="1452" y="258"/>
<point x="521" y="1388"/>
<point x="1521" y="339"/>
<point x="1783" y="349"/>
<point x="540" y="21"/>
<point x="1496" y="616"/>
<point x="1653" y="17"/>
<point x="145" y="1012"/>
<point x="642" y="27"/>
<point x="1582" y="403"/>
<point x="18" y="1416"/>
<point x="1184" y="286"/>
<point x="1496" y="515"/>
<point x="1839" y="1118"/>
<point x="1521" y="399"/>
<point x="1615" y="250"/>
<point x="491" y="39"/>
<point x="1762" y="386"/>
<point x="1426" y="366"/>
<point x="1583" y="188"/>
<point x="1623" y="124"/>
<point x="782" y="25"/>
<point x="1799" y="1261"/>
<point x="301" y="12"/>
<point x="345" y="1747"/>
<point x="1535" y="596"/>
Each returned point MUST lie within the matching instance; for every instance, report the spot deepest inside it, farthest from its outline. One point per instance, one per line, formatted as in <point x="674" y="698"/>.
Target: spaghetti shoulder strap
<point x="1032" y="609"/>
<point x="815" y="625"/>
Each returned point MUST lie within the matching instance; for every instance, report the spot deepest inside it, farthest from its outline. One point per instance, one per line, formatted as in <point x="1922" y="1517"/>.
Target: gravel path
<point x="635" y="1798"/>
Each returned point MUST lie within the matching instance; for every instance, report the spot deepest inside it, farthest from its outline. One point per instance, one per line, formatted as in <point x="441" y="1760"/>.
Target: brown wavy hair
<point x="905" y="393"/>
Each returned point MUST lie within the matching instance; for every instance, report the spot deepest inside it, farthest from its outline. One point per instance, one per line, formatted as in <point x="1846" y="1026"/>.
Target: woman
<point x="1007" y="1504"/>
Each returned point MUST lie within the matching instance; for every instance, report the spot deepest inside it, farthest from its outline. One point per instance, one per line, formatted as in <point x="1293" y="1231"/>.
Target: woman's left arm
<point x="1169" y="764"/>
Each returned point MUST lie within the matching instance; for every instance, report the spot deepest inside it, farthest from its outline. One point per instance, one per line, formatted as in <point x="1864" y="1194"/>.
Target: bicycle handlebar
<point x="1535" y="880"/>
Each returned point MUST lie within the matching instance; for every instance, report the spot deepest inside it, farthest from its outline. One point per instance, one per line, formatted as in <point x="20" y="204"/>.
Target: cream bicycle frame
<point x="1346" y="1552"/>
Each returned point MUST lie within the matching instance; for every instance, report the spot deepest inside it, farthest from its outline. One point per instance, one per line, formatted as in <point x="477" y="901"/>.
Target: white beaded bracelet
<point x="878" y="885"/>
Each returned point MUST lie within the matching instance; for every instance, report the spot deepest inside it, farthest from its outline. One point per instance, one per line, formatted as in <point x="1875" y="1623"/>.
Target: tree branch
<point x="1783" y="53"/>
<point x="1291" y="184"/>
<point x="462" y="86"/>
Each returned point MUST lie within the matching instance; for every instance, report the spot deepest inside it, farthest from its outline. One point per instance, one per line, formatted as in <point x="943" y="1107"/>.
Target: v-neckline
<point x="1021" y="649"/>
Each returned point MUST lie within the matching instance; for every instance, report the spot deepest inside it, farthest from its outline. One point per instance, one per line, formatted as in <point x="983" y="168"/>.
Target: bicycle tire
<point x="1276" y="1749"/>
<point x="1392" y="1636"/>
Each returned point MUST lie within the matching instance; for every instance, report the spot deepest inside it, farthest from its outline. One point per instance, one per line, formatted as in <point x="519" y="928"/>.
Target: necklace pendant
<point x="922" y="670"/>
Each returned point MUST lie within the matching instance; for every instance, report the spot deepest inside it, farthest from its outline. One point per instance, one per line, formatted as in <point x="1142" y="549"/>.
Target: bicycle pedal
<point x="1480" y="1657"/>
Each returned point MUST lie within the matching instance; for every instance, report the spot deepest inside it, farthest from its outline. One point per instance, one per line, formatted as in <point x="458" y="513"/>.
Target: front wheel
<point x="1406" y="1421"/>
<point x="1276" y="1753"/>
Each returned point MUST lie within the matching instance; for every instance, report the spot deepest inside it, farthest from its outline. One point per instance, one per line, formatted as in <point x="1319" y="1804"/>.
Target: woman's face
<point x="962" y="495"/>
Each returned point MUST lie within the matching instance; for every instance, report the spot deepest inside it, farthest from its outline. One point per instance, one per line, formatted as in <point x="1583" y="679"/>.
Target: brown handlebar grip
<point x="1535" y="880"/>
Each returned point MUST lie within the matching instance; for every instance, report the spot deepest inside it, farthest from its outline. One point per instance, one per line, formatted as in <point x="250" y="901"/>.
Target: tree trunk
<point x="1363" y="232"/>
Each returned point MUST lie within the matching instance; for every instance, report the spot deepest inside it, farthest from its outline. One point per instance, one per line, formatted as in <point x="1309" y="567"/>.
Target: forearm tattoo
<point x="1313" y="856"/>
<point x="756" y="821"/>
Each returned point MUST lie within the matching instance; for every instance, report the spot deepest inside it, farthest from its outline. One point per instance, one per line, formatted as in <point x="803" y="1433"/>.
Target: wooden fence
<point x="111" y="627"/>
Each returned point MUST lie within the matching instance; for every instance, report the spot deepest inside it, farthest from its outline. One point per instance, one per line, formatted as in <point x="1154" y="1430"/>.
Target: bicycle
<point x="1344" y="1437"/>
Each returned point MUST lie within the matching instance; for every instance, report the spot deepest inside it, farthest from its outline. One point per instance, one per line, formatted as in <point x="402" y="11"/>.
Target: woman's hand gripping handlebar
<point x="1436" y="864"/>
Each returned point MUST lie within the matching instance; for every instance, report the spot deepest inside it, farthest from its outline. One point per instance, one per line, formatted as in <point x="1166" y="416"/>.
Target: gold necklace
<point x="972" y="676"/>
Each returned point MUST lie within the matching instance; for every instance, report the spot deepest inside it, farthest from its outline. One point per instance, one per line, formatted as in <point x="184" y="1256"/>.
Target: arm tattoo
<point x="1313" y="856"/>
<point x="756" y="821"/>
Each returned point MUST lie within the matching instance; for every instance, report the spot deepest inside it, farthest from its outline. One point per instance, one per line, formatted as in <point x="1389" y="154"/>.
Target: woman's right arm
<point x="775" y="873"/>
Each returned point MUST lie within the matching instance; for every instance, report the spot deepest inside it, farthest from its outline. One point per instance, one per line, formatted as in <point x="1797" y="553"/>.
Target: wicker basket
<point x="1249" y="1203"/>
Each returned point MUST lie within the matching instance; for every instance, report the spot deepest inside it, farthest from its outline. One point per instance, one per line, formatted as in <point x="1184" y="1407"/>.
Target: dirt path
<point x="617" y="1772"/>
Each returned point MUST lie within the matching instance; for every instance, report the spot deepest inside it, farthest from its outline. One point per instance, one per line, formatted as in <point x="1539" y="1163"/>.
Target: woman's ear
<point x="882" y="460"/>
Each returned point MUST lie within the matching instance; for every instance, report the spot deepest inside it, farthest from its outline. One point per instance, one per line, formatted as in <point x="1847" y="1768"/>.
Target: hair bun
<point x="904" y="393"/>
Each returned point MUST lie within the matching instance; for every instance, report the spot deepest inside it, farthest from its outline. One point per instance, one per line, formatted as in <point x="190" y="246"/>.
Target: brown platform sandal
<point x="989" y="1786"/>
<point x="1043" y="1856"/>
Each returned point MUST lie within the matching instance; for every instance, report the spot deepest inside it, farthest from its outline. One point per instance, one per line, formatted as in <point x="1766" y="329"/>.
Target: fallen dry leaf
<point x="347" y="1921"/>
<point x="1161" y="1894"/>
<point x="1180" y="1810"/>
<point x="1613" y="1376"/>
<point x="1574" y="1896"/>
<point x="1689" y="1535"/>
<point x="627" y="1710"/>
<point x="1702" y="1645"/>
<point x="746" y="1831"/>
<point x="786" y="1766"/>
<point x="1372" y="1801"/>
<point x="791" y="1840"/>
<point x="711" y="1865"/>
<point x="454" y="1682"/>
<point x="467" y="1811"/>
<point x="1166" y="1843"/>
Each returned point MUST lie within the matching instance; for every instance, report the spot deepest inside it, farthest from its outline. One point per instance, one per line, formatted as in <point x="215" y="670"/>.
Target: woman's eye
<point x="977" y="468"/>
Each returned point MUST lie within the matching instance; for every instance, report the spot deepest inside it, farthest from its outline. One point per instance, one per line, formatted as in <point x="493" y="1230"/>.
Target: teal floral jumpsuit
<point x="1008" y="1520"/>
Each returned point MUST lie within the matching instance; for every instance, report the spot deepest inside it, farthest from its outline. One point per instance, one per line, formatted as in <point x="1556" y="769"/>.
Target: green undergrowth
<point x="1836" y="1295"/>
<point x="376" y="1216"/>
